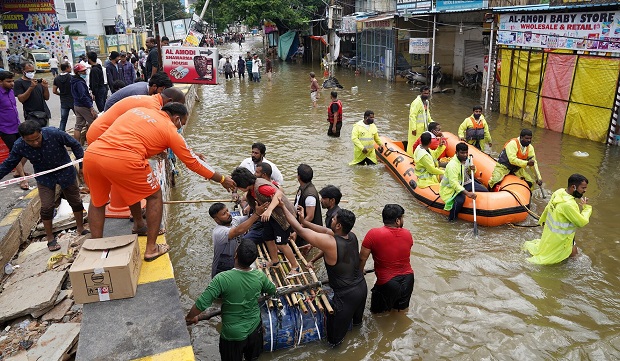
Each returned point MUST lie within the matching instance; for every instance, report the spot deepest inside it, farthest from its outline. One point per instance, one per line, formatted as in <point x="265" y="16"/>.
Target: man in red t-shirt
<point x="390" y="247"/>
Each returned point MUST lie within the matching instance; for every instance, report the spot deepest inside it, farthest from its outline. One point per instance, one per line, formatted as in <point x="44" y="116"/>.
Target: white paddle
<point x="473" y="190"/>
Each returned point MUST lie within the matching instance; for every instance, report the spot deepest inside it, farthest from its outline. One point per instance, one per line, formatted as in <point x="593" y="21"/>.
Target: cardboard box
<point x="106" y="269"/>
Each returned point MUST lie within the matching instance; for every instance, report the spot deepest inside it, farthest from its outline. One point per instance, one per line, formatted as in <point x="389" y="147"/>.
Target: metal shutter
<point x="474" y="55"/>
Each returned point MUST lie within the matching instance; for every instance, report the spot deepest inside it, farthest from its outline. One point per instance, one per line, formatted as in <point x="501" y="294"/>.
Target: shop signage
<point x="419" y="45"/>
<point x="190" y="65"/>
<point x="28" y="15"/>
<point x="455" y="5"/>
<point x="413" y="5"/>
<point x="591" y="31"/>
<point x="381" y="23"/>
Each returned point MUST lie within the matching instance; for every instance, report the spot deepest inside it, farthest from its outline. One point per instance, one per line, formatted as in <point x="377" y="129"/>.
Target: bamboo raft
<point x="298" y="315"/>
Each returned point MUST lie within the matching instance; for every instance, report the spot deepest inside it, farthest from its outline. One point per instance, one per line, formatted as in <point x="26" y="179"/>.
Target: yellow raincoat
<point x="561" y="218"/>
<point x="452" y="183"/>
<point x="364" y="136"/>
<point x="512" y="152"/>
<point x="426" y="165"/>
<point x="469" y="123"/>
<point x="419" y="117"/>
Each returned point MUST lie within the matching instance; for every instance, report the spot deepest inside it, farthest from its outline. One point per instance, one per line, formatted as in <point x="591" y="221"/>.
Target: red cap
<point x="79" y="67"/>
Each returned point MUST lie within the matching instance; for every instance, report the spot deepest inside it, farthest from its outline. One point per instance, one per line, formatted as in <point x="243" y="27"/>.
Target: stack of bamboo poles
<point x="305" y="299"/>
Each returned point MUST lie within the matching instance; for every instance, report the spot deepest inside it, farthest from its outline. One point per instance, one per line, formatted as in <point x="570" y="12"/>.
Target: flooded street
<point x="473" y="298"/>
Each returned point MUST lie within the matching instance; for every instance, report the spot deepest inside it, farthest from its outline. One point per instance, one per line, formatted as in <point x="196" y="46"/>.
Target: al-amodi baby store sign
<point x="591" y="31"/>
<point x="190" y="65"/>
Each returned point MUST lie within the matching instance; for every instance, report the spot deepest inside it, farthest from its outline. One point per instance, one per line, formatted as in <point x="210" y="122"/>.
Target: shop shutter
<point x="474" y="55"/>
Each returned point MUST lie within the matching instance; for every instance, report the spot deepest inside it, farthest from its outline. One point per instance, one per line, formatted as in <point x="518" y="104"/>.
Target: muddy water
<point x="473" y="298"/>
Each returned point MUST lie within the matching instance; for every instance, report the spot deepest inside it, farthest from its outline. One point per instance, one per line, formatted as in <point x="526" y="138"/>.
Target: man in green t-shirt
<point x="242" y="332"/>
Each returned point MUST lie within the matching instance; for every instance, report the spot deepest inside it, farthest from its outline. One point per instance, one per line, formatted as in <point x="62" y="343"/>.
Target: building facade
<point x="97" y="17"/>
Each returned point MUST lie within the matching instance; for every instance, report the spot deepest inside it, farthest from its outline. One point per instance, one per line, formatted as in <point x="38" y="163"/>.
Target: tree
<point x="172" y="9"/>
<point x="288" y="14"/>
<point x="72" y="32"/>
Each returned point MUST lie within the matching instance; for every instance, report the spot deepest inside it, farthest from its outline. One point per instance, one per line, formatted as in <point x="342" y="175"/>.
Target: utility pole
<point x="335" y="18"/>
<point x="163" y="13"/>
<point x="204" y="9"/>
<point x="143" y="16"/>
<point x="153" y="19"/>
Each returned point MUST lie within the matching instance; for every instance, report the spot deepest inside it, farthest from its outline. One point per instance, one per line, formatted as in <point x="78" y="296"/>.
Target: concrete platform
<point x="149" y="326"/>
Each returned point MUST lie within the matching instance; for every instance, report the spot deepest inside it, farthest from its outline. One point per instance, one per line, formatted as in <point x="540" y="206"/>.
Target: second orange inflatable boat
<point x="492" y="208"/>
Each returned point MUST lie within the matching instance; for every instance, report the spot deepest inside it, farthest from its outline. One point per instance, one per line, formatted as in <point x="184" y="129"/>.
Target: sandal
<point x="275" y="264"/>
<point x="24" y="185"/>
<point x="53" y="246"/>
<point x="162" y="249"/>
<point x="294" y="272"/>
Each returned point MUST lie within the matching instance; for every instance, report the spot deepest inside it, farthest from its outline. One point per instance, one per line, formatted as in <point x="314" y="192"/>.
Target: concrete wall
<point x="459" y="48"/>
<point x="444" y="49"/>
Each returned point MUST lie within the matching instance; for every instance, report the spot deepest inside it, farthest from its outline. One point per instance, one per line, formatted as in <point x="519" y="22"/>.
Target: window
<point x="71" y="12"/>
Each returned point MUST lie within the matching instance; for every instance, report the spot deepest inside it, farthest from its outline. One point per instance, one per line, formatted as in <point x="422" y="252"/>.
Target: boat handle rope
<point x="529" y="211"/>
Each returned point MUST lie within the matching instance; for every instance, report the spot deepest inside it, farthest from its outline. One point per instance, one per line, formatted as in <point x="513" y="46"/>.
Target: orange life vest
<point x="503" y="157"/>
<point x="330" y="114"/>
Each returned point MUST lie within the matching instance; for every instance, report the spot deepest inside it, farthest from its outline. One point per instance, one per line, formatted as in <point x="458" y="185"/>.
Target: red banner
<point x="190" y="65"/>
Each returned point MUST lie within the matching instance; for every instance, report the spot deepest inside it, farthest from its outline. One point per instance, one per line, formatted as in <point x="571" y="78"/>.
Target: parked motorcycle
<point x="472" y="80"/>
<point x="417" y="79"/>
<point x="348" y="62"/>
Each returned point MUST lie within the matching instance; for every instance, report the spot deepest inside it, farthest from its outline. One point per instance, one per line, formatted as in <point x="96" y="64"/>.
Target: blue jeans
<point x="460" y="199"/>
<point x="64" y="115"/>
<point x="256" y="77"/>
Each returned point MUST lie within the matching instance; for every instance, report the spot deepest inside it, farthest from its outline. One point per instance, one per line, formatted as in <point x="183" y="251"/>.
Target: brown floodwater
<point x="473" y="298"/>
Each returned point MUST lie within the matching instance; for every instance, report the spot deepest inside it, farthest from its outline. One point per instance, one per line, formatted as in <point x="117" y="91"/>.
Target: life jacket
<point x="475" y="133"/>
<point x="330" y="115"/>
<point x="503" y="157"/>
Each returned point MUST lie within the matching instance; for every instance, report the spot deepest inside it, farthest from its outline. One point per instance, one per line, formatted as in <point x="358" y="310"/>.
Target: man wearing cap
<point x="126" y="69"/>
<point x="112" y="71"/>
<point x="83" y="107"/>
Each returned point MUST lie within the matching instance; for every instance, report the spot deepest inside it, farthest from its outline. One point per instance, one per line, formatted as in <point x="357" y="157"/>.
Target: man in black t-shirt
<point x="33" y="93"/>
<point x="152" y="60"/>
<point x="62" y="88"/>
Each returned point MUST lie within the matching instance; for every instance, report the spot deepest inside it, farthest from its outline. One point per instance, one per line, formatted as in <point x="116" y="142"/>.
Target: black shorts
<point x="334" y="134"/>
<point x="394" y="294"/>
<point x="348" y="305"/>
<point x="9" y="139"/>
<point x="248" y="349"/>
<point x="272" y="231"/>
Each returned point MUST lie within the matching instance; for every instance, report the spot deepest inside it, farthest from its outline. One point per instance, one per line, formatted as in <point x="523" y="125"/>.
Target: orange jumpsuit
<point x="119" y="158"/>
<point x="105" y="120"/>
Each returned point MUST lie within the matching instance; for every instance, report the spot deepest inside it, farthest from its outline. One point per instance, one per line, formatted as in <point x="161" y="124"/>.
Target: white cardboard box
<point x="106" y="269"/>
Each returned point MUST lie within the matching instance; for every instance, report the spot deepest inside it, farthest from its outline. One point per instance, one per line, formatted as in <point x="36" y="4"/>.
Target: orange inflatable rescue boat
<point x="508" y="205"/>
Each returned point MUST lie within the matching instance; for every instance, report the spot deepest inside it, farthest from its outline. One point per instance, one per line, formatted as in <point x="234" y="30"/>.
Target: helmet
<point x="79" y="67"/>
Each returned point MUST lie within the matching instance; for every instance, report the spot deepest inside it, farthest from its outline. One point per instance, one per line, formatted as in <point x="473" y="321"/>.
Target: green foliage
<point x="72" y="32"/>
<point x="172" y="9"/>
<point x="289" y="14"/>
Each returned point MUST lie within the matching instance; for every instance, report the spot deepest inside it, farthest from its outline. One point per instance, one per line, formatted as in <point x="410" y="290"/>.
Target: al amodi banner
<point x="190" y="65"/>
<point x="587" y="31"/>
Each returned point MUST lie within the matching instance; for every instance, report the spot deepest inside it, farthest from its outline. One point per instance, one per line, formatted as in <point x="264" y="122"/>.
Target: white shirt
<point x="251" y="166"/>
<point x="53" y="63"/>
<point x="256" y="64"/>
